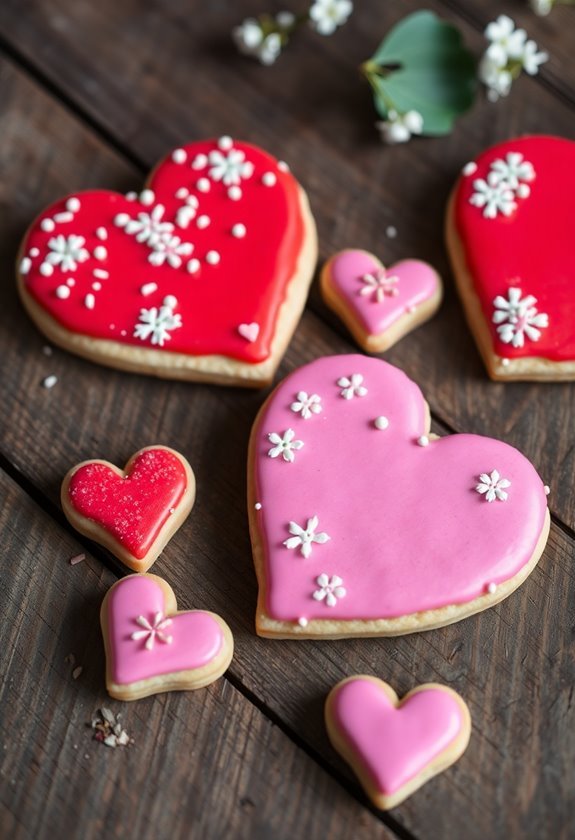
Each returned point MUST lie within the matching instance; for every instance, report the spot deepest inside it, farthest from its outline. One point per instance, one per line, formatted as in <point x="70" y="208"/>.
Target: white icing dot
<point x="47" y="225"/>
<point x="212" y="257"/>
<point x="546" y="489"/>
<point x="131" y="196"/>
<point x="258" y="505"/>
<point x="100" y="252"/>
<point x="491" y="588"/>
<point x="147" y="197"/>
<point x="381" y="422"/>
<point x="102" y="233"/>
<point x="302" y="621"/>
<point x="282" y="166"/>
<point x="423" y="440"/>
<point x="470" y="168"/>
<point x="199" y="162"/>
<point x="193" y="266"/>
<point x="34" y="252"/>
<point x="89" y="301"/>
<point x="505" y="362"/>
<point x="203" y="185"/>
<point x="46" y="269"/>
<point x="202" y="222"/>
<point x="269" y="179"/>
<point x="179" y="156"/>
<point x="391" y="232"/>
<point x="171" y="301"/>
<point x="234" y="193"/>
<point x="70" y="282"/>
<point x="25" y="265"/>
<point x="239" y="231"/>
<point x="64" y="217"/>
<point x="148" y="289"/>
<point x="96" y="286"/>
<point x="62" y="292"/>
<point x="182" y="193"/>
<point x="101" y="273"/>
<point x="121" y="220"/>
<point x="523" y="190"/>
<point x="73" y="204"/>
<point x="225" y="143"/>
<point x="50" y="381"/>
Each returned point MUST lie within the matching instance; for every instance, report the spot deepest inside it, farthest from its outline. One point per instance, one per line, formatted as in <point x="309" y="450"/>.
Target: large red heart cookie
<point x="151" y="647"/>
<point x="510" y="238"/>
<point x="134" y="511"/>
<point x="395" y="747"/>
<point x="203" y="275"/>
<point x="362" y="524"/>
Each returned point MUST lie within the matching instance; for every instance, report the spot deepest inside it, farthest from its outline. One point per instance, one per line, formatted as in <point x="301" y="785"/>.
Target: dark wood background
<point x="92" y="94"/>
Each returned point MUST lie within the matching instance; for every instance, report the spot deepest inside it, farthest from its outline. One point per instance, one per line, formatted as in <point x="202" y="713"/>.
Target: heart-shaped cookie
<point x="363" y="525"/>
<point x="133" y="512"/>
<point x="151" y="647"/>
<point x="510" y="239"/>
<point x="395" y="747"/>
<point x="379" y="305"/>
<point x="164" y="282"/>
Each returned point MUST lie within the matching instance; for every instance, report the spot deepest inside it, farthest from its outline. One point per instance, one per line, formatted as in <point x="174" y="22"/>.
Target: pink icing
<point x="416" y="283"/>
<point x="197" y="637"/>
<point x="395" y="744"/>
<point x="408" y="531"/>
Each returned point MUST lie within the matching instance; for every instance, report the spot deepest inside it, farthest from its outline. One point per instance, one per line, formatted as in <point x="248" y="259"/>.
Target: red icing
<point x="532" y="249"/>
<point x="133" y="509"/>
<point x="247" y="285"/>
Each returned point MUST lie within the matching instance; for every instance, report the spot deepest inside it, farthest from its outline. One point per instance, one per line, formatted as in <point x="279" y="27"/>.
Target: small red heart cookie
<point x="396" y="746"/>
<point x="166" y="282"/>
<point x="132" y="512"/>
<point x="363" y="524"/>
<point x="151" y="647"/>
<point x="379" y="305"/>
<point x="510" y="239"/>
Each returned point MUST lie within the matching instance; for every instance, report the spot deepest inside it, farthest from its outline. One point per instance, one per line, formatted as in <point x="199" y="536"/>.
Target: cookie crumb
<point x="77" y="559"/>
<point x="470" y="168"/>
<point x="391" y="231"/>
<point x="108" y="730"/>
<point x="49" y="381"/>
<point x="70" y="659"/>
<point x="546" y="489"/>
<point x="77" y="672"/>
<point x="47" y="350"/>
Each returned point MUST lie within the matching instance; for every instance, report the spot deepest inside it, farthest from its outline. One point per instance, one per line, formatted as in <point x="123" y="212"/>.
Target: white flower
<point x="250" y="40"/>
<point x="518" y="317"/>
<point x="326" y="15"/>
<point x="306" y="405"/>
<point x="398" y="128"/>
<point x="352" y="386"/>
<point x="378" y="285"/>
<point x="541" y="7"/>
<point x="230" y="168"/>
<point x="157" y="324"/>
<point x="285" y="20"/>
<point x="531" y="58"/>
<point x="153" y="631"/>
<point x="506" y="41"/>
<point x="330" y="589"/>
<point x="284" y="445"/>
<point x="493" y="195"/>
<point x="67" y="252"/>
<point x="512" y="171"/>
<point x="303" y="538"/>
<point x="169" y="249"/>
<point x="492" y="486"/>
<point x="148" y="227"/>
<point x="495" y="77"/>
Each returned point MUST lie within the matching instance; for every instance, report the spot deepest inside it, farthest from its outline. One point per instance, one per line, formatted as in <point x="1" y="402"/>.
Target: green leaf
<point x="423" y="65"/>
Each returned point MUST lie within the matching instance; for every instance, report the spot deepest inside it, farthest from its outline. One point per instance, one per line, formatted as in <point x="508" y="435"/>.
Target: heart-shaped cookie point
<point x="510" y="239"/>
<point x="379" y="305"/>
<point x="396" y="746"/>
<point x="365" y="524"/>
<point x="133" y="512"/>
<point x="151" y="647"/>
<point x="159" y="282"/>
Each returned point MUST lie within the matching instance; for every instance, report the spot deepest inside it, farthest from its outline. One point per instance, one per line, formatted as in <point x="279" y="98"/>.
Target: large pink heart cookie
<point x="362" y="524"/>
<point x="168" y="281"/>
<point x="151" y="647"/>
<point x="510" y="238"/>
<point x="395" y="747"/>
<point x="379" y="305"/>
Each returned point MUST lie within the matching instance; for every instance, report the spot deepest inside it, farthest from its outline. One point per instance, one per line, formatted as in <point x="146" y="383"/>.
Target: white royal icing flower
<point x="156" y="324"/>
<point x="303" y="538"/>
<point x="169" y="249"/>
<point x="230" y="168"/>
<point x="379" y="285"/>
<point x="518" y="317"/>
<point x="149" y="227"/>
<point x="67" y="251"/>
<point x="352" y="386"/>
<point x="153" y="630"/>
<point x="330" y="589"/>
<point x="492" y="486"/>
<point x="306" y="405"/>
<point x="326" y="15"/>
<point x="398" y="128"/>
<point x="284" y="445"/>
<point x="493" y="195"/>
<point x="514" y="171"/>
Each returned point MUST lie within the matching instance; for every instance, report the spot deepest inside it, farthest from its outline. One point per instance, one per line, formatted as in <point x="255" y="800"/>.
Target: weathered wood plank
<point x="205" y="763"/>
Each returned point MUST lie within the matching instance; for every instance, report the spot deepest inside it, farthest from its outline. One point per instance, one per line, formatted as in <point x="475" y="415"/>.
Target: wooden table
<point x="92" y="94"/>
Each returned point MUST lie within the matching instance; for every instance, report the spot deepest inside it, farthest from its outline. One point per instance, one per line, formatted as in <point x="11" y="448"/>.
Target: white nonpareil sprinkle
<point x="89" y="301"/>
<point x="25" y="265"/>
<point x="62" y="292"/>
<point x="179" y="156"/>
<point x="203" y="222"/>
<point x="73" y="204"/>
<point x="212" y="257"/>
<point x="148" y="288"/>
<point x="47" y="225"/>
<point x="269" y="179"/>
<point x="100" y="253"/>
<point x="423" y="440"/>
<point x="50" y="381"/>
<point x="381" y="423"/>
<point x="147" y="197"/>
<point x="203" y="185"/>
<point x="239" y="230"/>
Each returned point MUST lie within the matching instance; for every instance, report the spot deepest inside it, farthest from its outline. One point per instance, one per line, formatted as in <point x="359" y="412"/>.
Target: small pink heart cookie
<point x="152" y="648"/>
<point x="379" y="305"/>
<point x="396" y="746"/>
